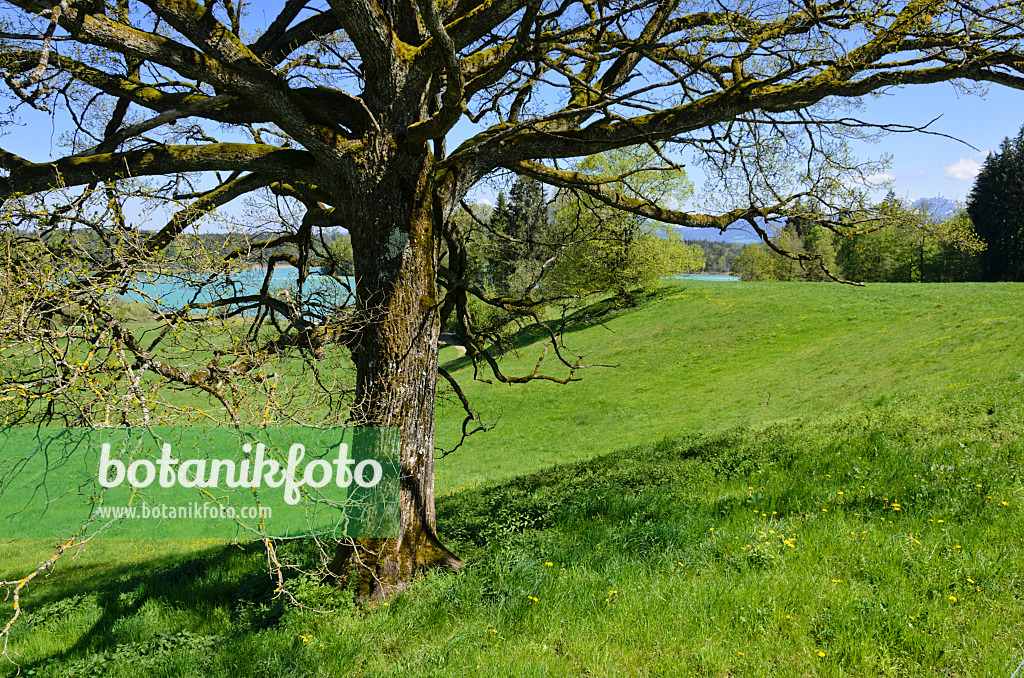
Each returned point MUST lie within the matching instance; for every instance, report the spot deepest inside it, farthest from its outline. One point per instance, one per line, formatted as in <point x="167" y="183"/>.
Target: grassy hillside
<point x="886" y="541"/>
<point x="865" y="519"/>
<point x="700" y="356"/>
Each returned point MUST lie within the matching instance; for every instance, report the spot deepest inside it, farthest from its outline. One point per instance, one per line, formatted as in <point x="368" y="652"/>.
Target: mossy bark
<point x="395" y="246"/>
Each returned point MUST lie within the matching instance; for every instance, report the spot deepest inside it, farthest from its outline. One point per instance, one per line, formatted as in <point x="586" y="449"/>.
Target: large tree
<point x="996" y="207"/>
<point x="345" y="107"/>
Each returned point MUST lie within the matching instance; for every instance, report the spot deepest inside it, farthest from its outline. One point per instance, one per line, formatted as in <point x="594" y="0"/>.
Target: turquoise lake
<point x="708" y="277"/>
<point x="170" y="293"/>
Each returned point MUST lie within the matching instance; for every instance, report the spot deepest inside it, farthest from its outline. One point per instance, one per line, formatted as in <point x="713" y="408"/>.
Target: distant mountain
<point x="943" y="208"/>
<point x="712" y="234"/>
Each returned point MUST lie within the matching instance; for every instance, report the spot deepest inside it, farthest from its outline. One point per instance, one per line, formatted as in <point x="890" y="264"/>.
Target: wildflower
<point x="820" y="653"/>
<point x="549" y="564"/>
<point x="1005" y="503"/>
<point x="952" y="598"/>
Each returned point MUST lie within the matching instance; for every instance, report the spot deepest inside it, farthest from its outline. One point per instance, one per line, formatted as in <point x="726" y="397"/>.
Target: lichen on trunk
<point x="395" y="247"/>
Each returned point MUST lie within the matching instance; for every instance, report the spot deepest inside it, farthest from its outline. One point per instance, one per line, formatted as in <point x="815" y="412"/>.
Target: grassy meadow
<point x="700" y="356"/>
<point x="777" y="480"/>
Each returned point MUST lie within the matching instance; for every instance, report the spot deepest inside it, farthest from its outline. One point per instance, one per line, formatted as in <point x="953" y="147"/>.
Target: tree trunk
<point x="395" y="246"/>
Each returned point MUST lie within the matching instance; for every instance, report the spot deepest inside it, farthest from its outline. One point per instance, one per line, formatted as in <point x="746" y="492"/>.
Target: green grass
<point x="867" y="520"/>
<point x="700" y="356"/>
<point x="746" y="552"/>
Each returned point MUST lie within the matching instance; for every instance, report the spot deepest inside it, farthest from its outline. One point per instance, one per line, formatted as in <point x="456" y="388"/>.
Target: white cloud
<point x="878" y="178"/>
<point x="963" y="169"/>
<point x="484" y="201"/>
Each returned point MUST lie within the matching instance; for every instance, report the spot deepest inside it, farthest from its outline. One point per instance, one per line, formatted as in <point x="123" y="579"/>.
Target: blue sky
<point x="926" y="165"/>
<point x="922" y="165"/>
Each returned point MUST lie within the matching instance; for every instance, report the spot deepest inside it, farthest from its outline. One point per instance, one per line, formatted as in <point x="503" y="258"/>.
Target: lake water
<point x="710" y="277"/>
<point x="168" y="292"/>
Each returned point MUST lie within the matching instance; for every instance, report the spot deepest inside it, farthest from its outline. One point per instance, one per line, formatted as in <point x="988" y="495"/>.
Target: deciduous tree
<point x="345" y="106"/>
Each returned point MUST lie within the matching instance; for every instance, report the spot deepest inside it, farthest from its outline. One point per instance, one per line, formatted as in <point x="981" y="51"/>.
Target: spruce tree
<point x="520" y="231"/>
<point x="996" y="206"/>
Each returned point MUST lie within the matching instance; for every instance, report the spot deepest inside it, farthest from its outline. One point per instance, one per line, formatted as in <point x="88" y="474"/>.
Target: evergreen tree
<point x="996" y="206"/>
<point x="520" y="230"/>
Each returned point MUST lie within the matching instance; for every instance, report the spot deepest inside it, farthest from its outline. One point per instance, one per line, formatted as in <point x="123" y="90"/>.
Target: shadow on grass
<point x="201" y="584"/>
<point x="581" y="319"/>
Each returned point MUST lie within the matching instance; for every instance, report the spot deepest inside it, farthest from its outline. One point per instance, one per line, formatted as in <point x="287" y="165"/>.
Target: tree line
<point x="902" y="242"/>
